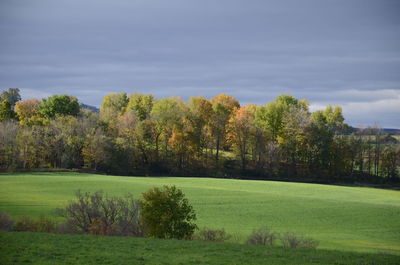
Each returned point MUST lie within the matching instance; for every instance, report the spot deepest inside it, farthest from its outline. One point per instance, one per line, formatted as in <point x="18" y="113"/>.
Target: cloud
<point x="336" y="52"/>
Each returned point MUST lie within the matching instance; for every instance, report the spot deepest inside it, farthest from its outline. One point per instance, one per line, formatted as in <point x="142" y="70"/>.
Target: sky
<point x="339" y="52"/>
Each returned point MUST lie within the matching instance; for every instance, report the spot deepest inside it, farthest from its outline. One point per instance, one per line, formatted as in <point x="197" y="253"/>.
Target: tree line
<point x="138" y="134"/>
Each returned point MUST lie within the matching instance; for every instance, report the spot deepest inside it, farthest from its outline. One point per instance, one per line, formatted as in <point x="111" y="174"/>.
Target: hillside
<point x="38" y="248"/>
<point x="341" y="218"/>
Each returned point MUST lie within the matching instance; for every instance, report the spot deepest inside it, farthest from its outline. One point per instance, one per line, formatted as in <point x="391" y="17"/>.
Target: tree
<point x="11" y="95"/>
<point x="271" y="117"/>
<point x="166" y="213"/>
<point x="59" y="105"/>
<point x="390" y="161"/>
<point x="6" y="111"/>
<point x="223" y="106"/>
<point x="166" y="113"/>
<point x="199" y="118"/>
<point x="95" y="148"/>
<point x="113" y="105"/>
<point x="334" y="118"/>
<point x="8" y="149"/>
<point x="27" y="111"/>
<point x="241" y="131"/>
<point x="141" y="105"/>
<point x="99" y="214"/>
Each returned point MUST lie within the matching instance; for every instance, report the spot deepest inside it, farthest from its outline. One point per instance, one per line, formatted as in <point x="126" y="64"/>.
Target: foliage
<point x="59" y="105"/>
<point x="262" y="236"/>
<point x="141" y="105"/>
<point x="390" y="161"/>
<point x="94" y="213"/>
<point x="6" y="111"/>
<point x="113" y="105"/>
<point x="11" y="95"/>
<point x="166" y="213"/>
<point x="27" y="111"/>
<point x="141" y="135"/>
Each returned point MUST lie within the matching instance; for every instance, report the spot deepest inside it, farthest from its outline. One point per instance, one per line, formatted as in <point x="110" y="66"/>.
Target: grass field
<point x="38" y="248"/>
<point x="341" y="218"/>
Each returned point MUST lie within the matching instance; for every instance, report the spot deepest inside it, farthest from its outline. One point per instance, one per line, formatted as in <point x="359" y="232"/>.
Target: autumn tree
<point x="242" y="131"/>
<point x="199" y="116"/>
<point x="223" y="107"/>
<point x="27" y="111"/>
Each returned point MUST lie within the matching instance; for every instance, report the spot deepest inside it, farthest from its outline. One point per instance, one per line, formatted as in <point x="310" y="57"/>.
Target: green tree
<point x="390" y="161"/>
<point x="11" y="95"/>
<point x="6" y="111"/>
<point x="166" y="213"/>
<point x="166" y="113"/>
<point x="141" y="105"/>
<point x="113" y="104"/>
<point x="59" y="105"/>
<point x="271" y="117"/>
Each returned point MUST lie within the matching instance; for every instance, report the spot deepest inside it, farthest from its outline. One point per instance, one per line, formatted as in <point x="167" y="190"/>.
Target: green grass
<point x="38" y="248"/>
<point x="341" y="218"/>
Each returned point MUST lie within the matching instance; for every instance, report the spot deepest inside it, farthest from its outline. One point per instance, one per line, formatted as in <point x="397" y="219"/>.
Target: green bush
<point x="166" y="213"/>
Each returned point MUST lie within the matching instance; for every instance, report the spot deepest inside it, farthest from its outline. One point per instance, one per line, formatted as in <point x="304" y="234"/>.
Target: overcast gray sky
<point x="341" y="52"/>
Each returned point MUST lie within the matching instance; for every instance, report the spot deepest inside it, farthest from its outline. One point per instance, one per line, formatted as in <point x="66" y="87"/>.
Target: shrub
<point x="292" y="240"/>
<point x="216" y="235"/>
<point x="45" y="225"/>
<point x="263" y="236"/>
<point x="102" y="215"/>
<point x="67" y="228"/>
<point x="25" y="223"/>
<point x="166" y="213"/>
<point x="6" y="223"/>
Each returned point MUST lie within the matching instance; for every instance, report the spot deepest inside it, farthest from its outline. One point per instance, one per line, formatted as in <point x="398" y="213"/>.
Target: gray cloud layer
<point x="330" y="52"/>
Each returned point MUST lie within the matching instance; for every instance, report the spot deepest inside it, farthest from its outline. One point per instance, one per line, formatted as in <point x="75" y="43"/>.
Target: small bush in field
<point x="166" y="213"/>
<point x="25" y="223"/>
<point x="263" y="236"/>
<point x="216" y="235"/>
<point x="45" y="225"/>
<point x="292" y="240"/>
<point x="6" y="223"/>
<point x="95" y="213"/>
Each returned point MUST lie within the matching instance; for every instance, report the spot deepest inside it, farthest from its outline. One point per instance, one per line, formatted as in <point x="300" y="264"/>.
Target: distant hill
<point x="392" y="131"/>
<point x="91" y="108"/>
